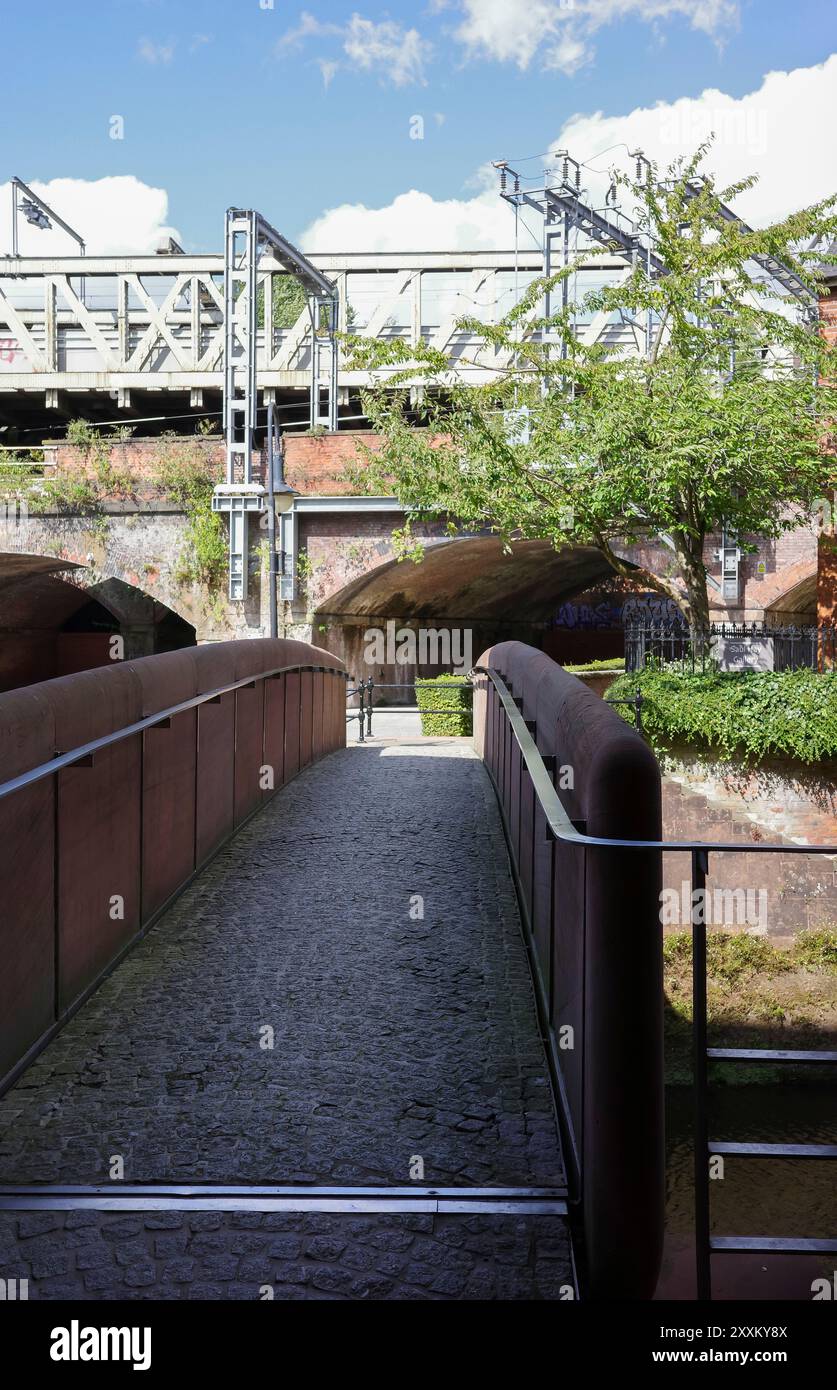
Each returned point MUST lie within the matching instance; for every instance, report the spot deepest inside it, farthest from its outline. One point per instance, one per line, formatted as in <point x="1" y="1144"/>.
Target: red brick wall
<point x="828" y="316"/>
<point x="316" y="463"/>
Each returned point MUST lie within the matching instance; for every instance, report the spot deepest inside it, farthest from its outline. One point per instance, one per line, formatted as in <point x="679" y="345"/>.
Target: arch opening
<point x="567" y="602"/>
<point x="52" y="625"/>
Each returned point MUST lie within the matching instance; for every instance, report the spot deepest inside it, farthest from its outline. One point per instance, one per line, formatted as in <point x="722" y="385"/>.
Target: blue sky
<point x="237" y="101"/>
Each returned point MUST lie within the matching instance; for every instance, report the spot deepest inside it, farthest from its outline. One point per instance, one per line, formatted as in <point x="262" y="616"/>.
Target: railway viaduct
<point x="73" y="578"/>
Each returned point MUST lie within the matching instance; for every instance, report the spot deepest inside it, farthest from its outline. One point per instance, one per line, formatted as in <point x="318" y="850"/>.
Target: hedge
<point x="614" y="663"/>
<point x="445" y="711"/>
<point x="749" y="713"/>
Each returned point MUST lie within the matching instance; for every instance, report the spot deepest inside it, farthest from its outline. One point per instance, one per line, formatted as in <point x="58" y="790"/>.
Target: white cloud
<point x="115" y="216"/>
<point x="771" y="131"/>
<point x="509" y="31"/>
<point x="414" y="221"/>
<point x="568" y="54"/>
<point x="558" y="32"/>
<point x="155" y="53"/>
<point x="398" y="55"/>
<point x="328" y="70"/>
<point x="309" y="26"/>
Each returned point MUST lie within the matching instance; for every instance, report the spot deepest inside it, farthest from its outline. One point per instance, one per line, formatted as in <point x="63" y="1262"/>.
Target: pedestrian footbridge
<point x="287" y="1018"/>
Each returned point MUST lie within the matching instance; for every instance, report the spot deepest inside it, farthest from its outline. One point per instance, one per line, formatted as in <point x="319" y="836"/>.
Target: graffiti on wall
<point x="575" y="615"/>
<point x="603" y="612"/>
<point x="651" y="608"/>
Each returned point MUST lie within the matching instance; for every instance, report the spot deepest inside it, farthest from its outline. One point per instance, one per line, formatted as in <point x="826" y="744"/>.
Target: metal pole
<point x="271" y="523"/>
<point x="14" y="218"/>
<point x="703" y="1256"/>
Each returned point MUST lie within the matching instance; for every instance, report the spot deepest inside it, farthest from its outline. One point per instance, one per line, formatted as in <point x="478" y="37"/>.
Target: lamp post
<point x="37" y="213"/>
<point x="280" y="497"/>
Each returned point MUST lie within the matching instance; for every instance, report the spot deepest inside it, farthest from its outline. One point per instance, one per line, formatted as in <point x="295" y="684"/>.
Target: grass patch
<point x="615" y="663"/>
<point x="759" y="995"/>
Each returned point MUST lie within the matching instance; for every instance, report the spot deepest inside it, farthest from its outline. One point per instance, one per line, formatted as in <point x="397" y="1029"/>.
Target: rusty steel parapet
<point x="593" y="920"/>
<point x="92" y="853"/>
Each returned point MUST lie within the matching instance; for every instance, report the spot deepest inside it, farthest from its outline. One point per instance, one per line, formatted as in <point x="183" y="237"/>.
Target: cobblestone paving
<point x="204" y="1255"/>
<point x="394" y="1038"/>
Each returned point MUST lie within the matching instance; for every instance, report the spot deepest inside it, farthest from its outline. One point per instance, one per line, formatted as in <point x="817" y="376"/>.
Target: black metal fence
<point x="744" y="646"/>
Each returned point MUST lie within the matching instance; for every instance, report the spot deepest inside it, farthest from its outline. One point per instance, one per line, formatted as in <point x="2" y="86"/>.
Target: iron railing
<point x="780" y="647"/>
<point x="363" y="711"/>
<point x="560" y="828"/>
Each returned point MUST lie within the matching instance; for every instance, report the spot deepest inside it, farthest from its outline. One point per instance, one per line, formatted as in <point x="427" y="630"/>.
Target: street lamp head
<point x="35" y="215"/>
<point x="283" y="496"/>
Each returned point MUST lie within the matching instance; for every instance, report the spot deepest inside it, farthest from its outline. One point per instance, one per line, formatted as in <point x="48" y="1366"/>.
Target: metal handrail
<point x="560" y="827"/>
<point x="366" y="707"/>
<point x="86" y="750"/>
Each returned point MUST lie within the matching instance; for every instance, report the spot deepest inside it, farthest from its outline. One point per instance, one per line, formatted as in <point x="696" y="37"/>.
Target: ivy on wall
<point x="751" y="713"/>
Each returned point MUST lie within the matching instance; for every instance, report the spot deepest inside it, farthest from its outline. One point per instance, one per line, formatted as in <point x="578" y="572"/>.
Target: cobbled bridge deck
<point x="397" y="1038"/>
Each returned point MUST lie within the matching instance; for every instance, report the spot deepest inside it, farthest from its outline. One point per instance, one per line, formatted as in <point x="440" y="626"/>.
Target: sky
<point x="360" y="127"/>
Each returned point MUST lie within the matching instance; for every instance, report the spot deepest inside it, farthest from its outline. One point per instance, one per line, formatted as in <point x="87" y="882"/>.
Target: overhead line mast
<point x="249" y="236"/>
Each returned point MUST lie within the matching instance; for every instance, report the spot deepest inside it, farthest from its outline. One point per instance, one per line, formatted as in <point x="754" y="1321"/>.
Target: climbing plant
<point x="748" y="713"/>
<point x="186" y="473"/>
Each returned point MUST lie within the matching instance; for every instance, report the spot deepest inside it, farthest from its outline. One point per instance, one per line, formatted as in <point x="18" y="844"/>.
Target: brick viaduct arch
<point x="55" y="618"/>
<point x="469" y="584"/>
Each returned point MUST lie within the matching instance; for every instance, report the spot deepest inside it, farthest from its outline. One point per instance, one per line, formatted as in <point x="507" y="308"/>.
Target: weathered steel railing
<point x="776" y="646"/>
<point x="588" y="870"/>
<point x="163" y="759"/>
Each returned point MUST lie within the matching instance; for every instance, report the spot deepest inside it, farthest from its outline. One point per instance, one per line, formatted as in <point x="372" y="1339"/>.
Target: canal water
<point x="755" y="1196"/>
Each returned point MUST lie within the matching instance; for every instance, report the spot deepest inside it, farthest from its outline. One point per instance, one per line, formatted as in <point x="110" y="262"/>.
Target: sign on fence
<point x="751" y="653"/>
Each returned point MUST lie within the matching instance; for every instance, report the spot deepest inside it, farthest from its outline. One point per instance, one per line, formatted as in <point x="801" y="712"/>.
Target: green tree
<point x="289" y="300"/>
<point x="715" y="421"/>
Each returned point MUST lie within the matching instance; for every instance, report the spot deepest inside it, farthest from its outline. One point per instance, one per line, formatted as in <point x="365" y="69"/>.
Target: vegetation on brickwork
<point x="445" y="704"/>
<point x="753" y="714"/>
<point x="183" y="471"/>
<point x="105" y="479"/>
<point x="759" y="995"/>
<point x="75" y="491"/>
<point x="22" y="479"/>
<point x="186" y="473"/>
<point x="611" y="663"/>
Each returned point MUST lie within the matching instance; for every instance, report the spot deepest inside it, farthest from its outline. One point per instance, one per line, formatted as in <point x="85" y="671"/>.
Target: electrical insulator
<point x="503" y="179"/>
